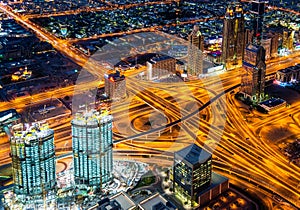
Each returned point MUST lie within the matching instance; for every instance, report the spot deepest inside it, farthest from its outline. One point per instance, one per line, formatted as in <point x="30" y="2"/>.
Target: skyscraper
<point x="288" y="39"/>
<point x="192" y="171"/>
<point x="257" y="12"/>
<point x="92" y="148"/>
<point x="253" y="76"/>
<point x="115" y="86"/>
<point x="248" y="36"/>
<point x="195" y="51"/>
<point x="274" y="44"/>
<point x="33" y="162"/>
<point x="233" y="36"/>
<point x="266" y="44"/>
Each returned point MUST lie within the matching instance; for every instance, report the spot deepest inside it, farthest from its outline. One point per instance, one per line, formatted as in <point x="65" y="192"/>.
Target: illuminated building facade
<point x="274" y="44"/>
<point x="92" y="148"/>
<point x="233" y="36"/>
<point x="290" y="74"/>
<point x="253" y="76"/>
<point x="288" y="39"/>
<point x="33" y="162"/>
<point x="195" y="52"/>
<point x="115" y="86"/>
<point x="160" y="66"/>
<point x="192" y="171"/>
<point x="254" y="66"/>
<point x="266" y="44"/>
<point x="248" y="36"/>
<point x="257" y="12"/>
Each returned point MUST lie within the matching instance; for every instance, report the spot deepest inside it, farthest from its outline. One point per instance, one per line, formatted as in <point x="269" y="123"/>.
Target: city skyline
<point x="109" y="95"/>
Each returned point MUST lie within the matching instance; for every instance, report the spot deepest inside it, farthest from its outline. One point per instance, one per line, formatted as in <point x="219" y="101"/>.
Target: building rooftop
<point x="253" y="48"/>
<point x="284" y="70"/>
<point x="8" y="114"/>
<point x="156" y="202"/>
<point x="160" y="58"/>
<point x="37" y="131"/>
<point x="248" y="64"/>
<point x="291" y="68"/>
<point x="272" y="102"/>
<point x="124" y="200"/>
<point x="194" y="154"/>
<point x="91" y="117"/>
<point x="107" y="204"/>
<point x="115" y="76"/>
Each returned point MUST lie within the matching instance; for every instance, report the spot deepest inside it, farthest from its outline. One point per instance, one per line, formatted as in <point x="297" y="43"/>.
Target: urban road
<point x="240" y="154"/>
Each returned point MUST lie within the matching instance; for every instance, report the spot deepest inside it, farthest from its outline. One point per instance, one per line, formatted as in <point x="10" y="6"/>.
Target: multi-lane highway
<point x="235" y="145"/>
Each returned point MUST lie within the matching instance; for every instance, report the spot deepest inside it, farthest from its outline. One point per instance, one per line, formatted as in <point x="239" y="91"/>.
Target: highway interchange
<point x="238" y="151"/>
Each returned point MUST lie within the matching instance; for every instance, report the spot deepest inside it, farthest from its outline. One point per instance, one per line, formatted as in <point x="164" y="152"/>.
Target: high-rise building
<point x="195" y="51"/>
<point x="33" y="162"/>
<point x="160" y="66"/>
<point x="266" y="44"/>
<point x="92" y="148"/>
<point x="257" y="12"/>
<point x="192" y="171"/>
<point x="253" y="75"/>
<point x="288" y="39"/>
<point x="248" y="36"/>
<point x="254" y="66"/>
<point x="233" y="36"/>
<point x="115" y="86"/>
<point x="274" y="44"/>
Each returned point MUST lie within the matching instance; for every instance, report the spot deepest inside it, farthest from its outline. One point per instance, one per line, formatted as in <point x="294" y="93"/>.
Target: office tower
<point x="248" y="36"/>
<point x="253" y="75"/>
<point x="92" y="148"/>
<point x="288" y="39"/>
<point x="192" y="171"/>
<point x="115" y="86"/>
<point x="33" y="162"/>
<point x="160" y="66"/>
<point x="254" y="66"/>
<point x="257" y="12"/>
<point x="266" y="44"/>
<point x="195" y="51"/>
<point x="233" y="36"/>
<point x="274" y="44"/>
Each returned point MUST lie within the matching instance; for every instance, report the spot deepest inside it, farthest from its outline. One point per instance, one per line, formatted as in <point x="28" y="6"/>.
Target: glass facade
<point x="192" y="171"/>
<point x="33" y="161"/>
<point x="92" y="148"/>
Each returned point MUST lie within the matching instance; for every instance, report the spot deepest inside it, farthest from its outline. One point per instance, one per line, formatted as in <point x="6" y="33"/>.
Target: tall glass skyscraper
<point x="33" y="162"/>
<point x="92" y="148"/>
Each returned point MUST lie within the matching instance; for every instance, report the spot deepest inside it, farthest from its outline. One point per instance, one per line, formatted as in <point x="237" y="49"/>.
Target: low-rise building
<point x="272" y="105"/>
<point x="119" y="201"/>
<point x="156" y="202"/>
<point x="289" y="74"/>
